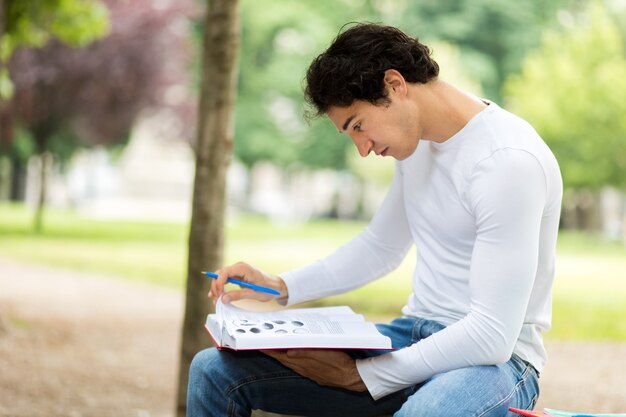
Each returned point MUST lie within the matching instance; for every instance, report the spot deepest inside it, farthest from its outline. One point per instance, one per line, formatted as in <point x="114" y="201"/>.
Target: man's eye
<point x="357" y="126"/>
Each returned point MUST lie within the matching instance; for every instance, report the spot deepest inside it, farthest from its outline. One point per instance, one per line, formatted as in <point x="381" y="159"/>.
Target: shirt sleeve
<point x="379" y="249"/>
<point x="508" y="193"/>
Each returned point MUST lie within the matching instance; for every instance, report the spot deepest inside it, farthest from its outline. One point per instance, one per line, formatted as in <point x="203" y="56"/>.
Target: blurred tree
<point x="31" y="23"/>
<point x="213" y="148"/>
<point x="94" y="94"/>
<point x="493" y="36"/>
<point x="572" y="90"/>
<point x="278" y="43"/>
<point x="580" y="109"/>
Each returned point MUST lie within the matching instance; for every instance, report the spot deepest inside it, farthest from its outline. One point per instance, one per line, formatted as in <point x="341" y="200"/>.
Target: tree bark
<point x="44" y="157"/>
<point x="213" y="153"/>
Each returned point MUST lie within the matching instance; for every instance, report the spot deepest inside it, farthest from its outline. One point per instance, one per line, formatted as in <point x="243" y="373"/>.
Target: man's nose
<point x="363" y="145"/>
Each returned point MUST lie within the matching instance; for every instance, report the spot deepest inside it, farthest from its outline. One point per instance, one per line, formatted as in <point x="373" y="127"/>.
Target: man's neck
<point x="445" y="109"/>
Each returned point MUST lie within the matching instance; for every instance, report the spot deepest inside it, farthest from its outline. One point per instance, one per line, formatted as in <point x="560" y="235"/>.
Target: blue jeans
<point x="228" y="383"/>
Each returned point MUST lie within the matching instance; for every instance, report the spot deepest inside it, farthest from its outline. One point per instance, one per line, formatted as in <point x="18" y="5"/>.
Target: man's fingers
<point x="220" y="282"/>
<point x="235" y="295"/>
<point x="244" y="272"/>
<point x="239" y="270"/>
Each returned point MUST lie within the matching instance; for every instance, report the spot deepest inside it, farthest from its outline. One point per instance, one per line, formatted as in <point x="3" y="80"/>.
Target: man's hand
<point x="333" y="368"/>
<point x="248" y="273"/>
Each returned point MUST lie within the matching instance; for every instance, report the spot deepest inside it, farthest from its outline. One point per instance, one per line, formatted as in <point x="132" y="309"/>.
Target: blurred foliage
<point x="95" y="93"/>
<point x="277" y="45"/>
<point x="572" y="90"/>
<point x="493" y="36"/>
<point x="31" y="24"/>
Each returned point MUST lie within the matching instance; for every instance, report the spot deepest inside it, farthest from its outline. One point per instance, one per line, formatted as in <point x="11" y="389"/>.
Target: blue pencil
<point x="244" y="284"/>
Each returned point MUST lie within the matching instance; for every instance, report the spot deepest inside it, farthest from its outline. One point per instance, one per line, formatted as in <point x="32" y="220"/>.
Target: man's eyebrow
<point x="347" y="122"/>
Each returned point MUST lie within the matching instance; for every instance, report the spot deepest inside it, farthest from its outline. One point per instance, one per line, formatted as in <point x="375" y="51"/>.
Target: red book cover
<point x="530" y="413"/>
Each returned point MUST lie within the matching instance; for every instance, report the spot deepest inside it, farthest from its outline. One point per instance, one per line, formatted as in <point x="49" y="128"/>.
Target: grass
<point x="590" y="288"/>
<point x="139" y="251"/>
<point x="588" y="294"/>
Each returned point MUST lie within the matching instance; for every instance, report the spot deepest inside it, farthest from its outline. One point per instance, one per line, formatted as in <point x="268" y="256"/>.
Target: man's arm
<point x="379" y="249"/>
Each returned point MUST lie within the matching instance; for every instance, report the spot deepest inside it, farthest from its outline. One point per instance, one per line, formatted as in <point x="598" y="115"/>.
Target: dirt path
<point x="83" y="345"/>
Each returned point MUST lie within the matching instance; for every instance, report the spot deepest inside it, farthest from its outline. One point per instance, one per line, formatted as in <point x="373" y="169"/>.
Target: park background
<point x="97" y="155"/>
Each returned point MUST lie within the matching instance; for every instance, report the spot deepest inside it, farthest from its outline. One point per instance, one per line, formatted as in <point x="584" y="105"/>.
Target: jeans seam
<point x="416" y="330"/>
<point x="241" y="383"/>
<point x="231" y="408"/>
<point x="234" y="387"/>
<point x="519" y="384"/>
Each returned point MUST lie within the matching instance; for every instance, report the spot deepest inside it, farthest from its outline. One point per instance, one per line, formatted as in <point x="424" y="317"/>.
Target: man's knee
<point x="204" y="367"/>
<point x="417" y="406"/>
<point x="472" y="391"/>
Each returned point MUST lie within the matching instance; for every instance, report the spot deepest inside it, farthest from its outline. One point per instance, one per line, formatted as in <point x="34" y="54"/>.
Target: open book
<point x="234" y="328"/>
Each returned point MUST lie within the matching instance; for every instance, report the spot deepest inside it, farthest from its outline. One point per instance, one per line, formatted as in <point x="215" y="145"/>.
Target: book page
<point x="319" y="321"/>
<point x="322" y="327"/>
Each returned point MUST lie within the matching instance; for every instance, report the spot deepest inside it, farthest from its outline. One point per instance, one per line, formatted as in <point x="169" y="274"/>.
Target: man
<point x="479" y="198"/>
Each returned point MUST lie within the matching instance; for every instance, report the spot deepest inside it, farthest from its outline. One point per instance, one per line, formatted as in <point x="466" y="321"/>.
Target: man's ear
<point x="395" y="82"/>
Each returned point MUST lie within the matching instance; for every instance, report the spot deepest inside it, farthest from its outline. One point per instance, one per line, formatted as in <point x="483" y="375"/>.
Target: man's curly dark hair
<point x="353" y="67"/>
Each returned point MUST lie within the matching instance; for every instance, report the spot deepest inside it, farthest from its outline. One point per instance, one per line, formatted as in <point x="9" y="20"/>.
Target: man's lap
<point x="256" y="381"/>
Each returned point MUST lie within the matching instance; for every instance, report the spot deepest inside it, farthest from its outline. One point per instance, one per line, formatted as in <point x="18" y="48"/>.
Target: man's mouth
<point x="384" y="152"/>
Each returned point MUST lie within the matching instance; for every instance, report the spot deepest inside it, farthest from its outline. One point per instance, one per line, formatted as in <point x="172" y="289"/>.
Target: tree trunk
<point x="17" y="177"/>
<point x="213" y="153"/>
<point x="582" y="210"/>
<point x="2" y="25"/>
<point x="44" y="157"/>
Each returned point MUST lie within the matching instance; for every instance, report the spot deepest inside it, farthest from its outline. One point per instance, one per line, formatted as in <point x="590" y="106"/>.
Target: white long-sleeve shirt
<point x="482" y="210"/>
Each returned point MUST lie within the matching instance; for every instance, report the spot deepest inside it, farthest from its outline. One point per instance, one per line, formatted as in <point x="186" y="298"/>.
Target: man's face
<point x="389" y="129"/>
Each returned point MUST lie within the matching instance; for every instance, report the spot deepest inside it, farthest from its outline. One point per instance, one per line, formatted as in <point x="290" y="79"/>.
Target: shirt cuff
<point x="371" y="380"/>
